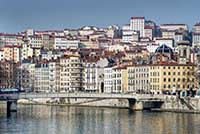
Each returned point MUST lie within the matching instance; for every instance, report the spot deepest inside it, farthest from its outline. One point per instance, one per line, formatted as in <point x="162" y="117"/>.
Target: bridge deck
<point x="141" y="97"/>
<point x="91" y="95"/>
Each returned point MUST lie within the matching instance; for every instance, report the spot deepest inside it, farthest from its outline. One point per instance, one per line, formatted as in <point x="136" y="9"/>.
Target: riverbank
<point x="171" y="104"/>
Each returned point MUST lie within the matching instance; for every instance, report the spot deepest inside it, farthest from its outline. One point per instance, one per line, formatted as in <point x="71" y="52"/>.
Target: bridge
<point x="136" y="101"/>
<point x="91" y="96"/>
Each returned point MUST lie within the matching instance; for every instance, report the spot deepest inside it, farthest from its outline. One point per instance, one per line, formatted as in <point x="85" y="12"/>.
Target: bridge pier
<point x="135" y="105"/>
<point x="11" y="107"/>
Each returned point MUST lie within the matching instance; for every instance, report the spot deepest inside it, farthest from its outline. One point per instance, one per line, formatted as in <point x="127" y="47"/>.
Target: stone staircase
<point x="187" y="102"/>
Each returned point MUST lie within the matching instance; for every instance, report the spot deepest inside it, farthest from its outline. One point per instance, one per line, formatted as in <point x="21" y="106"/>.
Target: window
<point x="169" y="80"/>
<point x="169" y="73"/>
<point x="188" y="73"/>
<point x="164" y="79"/>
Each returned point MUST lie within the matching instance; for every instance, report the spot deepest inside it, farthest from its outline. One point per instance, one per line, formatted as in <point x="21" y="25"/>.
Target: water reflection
<point x="84" y="120"/>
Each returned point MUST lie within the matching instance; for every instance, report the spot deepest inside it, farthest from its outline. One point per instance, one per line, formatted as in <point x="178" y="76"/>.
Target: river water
<point x="39" y="119"/>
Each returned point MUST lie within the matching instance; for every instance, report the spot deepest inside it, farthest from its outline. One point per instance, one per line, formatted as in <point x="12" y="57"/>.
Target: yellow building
<point x="12" y="53"/>
<point x="172" y="76"/>
<point x="119" y="79"/>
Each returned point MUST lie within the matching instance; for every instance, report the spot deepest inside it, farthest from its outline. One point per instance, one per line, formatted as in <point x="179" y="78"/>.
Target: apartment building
<point x="7" y="74"/>
<point x="10" y="39"/>
<point x="119" y="79"/>
<point x="41" y="82"/>
<point x="137" y="24"/>
<point x="174" y="27"/>
<point x="26" y="51"/>
<point x="25" y="76"/>
<point x="172" y="76"/>
<point x="12" y="53"/>
<point x="196" y="28"/>
<point x="108" y="83"/>
<point x="35" y="41"/>
<point x="93" y="74"/>
<point x="70" y="73"/>
<point x="61" y="42"/>
<point x="138" y="78"/>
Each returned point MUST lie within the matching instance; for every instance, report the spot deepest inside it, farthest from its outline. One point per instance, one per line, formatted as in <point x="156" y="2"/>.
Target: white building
<point x="129" y="36"/>
<point x="152" y="47"/>
<point x="167" y="41"/>
<point x="61" y="42"/>
<point x="26" y="51"/>
<point x="10" y="39"/>
<point x="179" y="37"/>
<point x="168" y="33"/>
<point x="35" y="41"/>
<point x="113" y="31"/>
<point x="137" y="24"/>
<point x="148" y="32"/>
<point x="174" y="27"/>
<point x="1" y="55"/>
<point x="196" y="28"/>
<point x="93" y="69"/>
<point x="29" y="32"/>
<point x="55" y="32"/>
<point x="52" y="54"/>
<point x="196" y="39"/>
<point x="138" y="78"/>
<point x="141" y="78"/>
<point x="108" y="79"/>
<point x="53" y="71"/>
<point x="87" y="30"/>
<point x="41" y="82"/>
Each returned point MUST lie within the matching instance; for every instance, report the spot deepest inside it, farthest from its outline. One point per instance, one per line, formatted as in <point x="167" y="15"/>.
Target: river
<point x="38" y="119"/>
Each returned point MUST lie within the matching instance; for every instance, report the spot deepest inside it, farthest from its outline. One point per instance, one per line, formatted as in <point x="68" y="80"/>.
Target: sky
<point x="18" y="15"/>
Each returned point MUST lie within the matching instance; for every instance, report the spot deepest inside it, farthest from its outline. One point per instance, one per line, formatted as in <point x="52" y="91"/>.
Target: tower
<point x="184" y="52"/>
